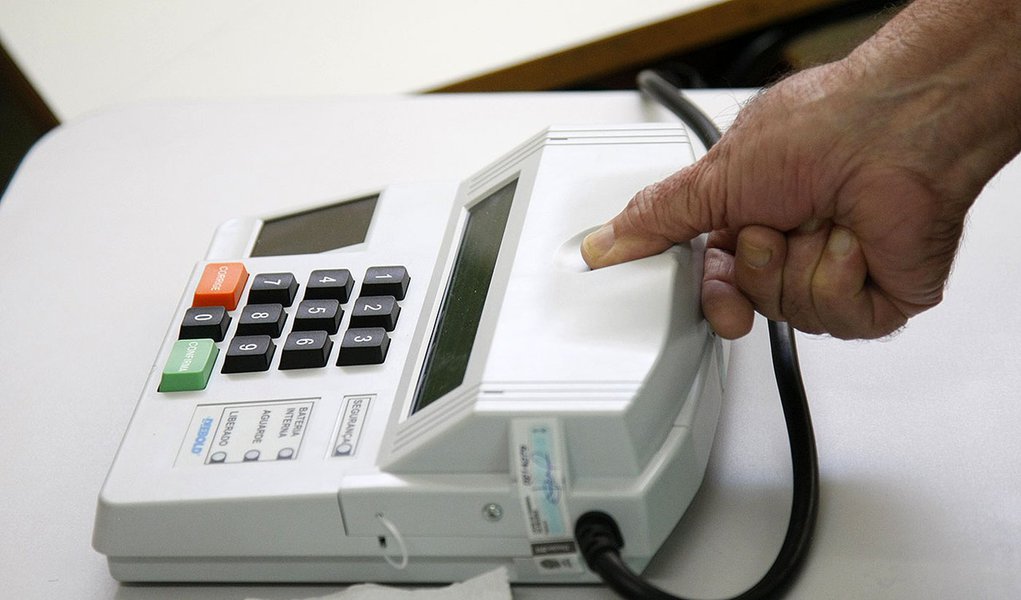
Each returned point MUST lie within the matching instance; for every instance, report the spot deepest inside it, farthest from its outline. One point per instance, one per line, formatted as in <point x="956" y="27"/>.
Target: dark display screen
<point x="460" y="312"/>
<point x="318" y="230"/>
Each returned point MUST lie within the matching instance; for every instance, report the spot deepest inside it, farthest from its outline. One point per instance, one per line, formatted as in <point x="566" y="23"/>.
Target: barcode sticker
<point x="541" y="472"/>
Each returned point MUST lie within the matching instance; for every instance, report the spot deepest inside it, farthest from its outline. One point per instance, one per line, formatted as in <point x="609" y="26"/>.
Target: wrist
<point x="948" y="74"/>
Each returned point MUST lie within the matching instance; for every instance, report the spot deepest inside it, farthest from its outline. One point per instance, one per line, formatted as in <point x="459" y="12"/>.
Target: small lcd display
<point x="317" y="230"/>
<point x="457" y="323"/>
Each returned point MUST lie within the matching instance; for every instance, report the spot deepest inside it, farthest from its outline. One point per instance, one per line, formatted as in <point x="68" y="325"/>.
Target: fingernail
<point x="840" y="241"/>
<point x="754" y="255"/>
<point x="598" y="243"/>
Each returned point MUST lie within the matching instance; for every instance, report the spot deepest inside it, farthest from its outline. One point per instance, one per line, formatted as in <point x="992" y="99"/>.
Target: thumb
<point x="660" y="215"/>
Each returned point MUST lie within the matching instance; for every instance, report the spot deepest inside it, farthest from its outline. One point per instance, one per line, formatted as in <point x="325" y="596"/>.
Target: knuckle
<point x="763" y="297"/>
<point x="673" y="207"/>
<point x="797" y="309"/>
<point x="829" y="297"/>
<point x="642" y="211"/>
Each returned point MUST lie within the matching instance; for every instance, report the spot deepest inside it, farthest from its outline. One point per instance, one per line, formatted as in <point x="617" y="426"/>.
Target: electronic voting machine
<point x="424" y="384"/>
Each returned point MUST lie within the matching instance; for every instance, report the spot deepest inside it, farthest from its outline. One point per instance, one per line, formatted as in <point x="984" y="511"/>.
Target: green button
<point x="189" y="365"/>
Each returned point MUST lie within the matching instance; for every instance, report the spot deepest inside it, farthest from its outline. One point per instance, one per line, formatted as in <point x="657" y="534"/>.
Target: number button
<point x="262" y="319"/>
<point x="305" y="350"/>
<point x="363" y="346"/>
<point x="313" y="315"/>
<point x="248" y="353"/>
<point x="273" y="288"/>
<point x="334" y="284"/>
<point x="386" y="281"/>
<point x="205" y="322"/>
<point x="375" y="311"/>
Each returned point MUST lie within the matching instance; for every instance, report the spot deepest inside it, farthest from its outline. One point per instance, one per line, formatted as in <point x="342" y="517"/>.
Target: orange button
<point x="221" y="285"/>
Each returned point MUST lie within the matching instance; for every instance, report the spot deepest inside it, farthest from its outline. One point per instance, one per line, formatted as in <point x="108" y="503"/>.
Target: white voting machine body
<point x="424" y="383"/>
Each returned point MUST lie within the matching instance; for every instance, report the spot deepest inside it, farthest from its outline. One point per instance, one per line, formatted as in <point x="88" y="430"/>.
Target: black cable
<point x="667" y="94"/>
<point x="599" y="537"/>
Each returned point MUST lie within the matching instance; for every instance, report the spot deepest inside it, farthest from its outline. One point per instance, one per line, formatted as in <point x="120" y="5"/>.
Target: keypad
<point x="271" y="306"/>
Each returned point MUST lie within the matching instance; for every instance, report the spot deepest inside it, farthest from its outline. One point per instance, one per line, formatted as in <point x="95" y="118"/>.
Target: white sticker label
<point x="352" y="420"/>
<point x="249" y="432"/>
<point x="541" y="470"/>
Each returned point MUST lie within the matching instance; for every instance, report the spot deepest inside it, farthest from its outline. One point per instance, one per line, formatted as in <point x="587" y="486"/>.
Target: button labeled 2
<point x="375" y="311"/>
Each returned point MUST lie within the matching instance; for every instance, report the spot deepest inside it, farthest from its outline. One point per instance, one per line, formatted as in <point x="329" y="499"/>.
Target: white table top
<point x="918" y="435"/>
<point x="82" y="55"/>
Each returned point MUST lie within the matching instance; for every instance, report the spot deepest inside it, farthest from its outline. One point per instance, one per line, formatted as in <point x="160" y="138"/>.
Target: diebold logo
<point x="200" y="438"/>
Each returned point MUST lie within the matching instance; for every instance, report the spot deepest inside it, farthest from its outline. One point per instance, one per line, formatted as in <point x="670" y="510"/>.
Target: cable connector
<point x="600" y="541"/>
<point x="597" y="533"/>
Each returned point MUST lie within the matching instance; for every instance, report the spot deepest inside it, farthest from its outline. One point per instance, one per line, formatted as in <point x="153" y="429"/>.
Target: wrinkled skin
<point x="838" y="198"/>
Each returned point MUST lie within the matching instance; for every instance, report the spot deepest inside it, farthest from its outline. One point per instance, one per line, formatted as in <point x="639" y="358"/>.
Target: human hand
<point x="835" y="202"/>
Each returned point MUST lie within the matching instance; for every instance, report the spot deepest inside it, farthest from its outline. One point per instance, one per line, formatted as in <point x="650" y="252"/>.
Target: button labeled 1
<point x="386" y="281"/>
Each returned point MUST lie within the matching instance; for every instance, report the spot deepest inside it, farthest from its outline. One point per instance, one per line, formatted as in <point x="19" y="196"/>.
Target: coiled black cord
<point x="597" y="533"/>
